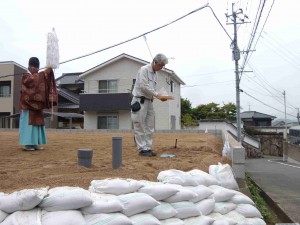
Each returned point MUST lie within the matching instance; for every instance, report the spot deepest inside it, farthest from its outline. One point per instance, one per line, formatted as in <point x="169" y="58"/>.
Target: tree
<point x="230" y="111"/>
<point x="213" y="111"/>
<point x="190" y="116"/>
<point x="186" y="107"/>
<point x="186" y="113"/>
<point x="187" y="120"/>
<point x="208" y="111"/>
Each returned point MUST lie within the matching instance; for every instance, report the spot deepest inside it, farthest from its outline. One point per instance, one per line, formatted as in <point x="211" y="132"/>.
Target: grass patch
<point x="259" y="201"/>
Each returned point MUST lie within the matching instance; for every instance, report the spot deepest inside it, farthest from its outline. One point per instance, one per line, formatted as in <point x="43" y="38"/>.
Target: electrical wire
<point x="281" y="54"/>
<point x="141" y="35"/>
<point x="245" y="59"/>
<point x="197" y="85"/>
<point x="262" y="80"/>
<point x="267" y="104"/>
<point x="252" y="37"/>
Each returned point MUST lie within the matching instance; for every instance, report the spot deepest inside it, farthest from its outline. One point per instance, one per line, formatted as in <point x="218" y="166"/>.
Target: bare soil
<point x="57" y="164"/>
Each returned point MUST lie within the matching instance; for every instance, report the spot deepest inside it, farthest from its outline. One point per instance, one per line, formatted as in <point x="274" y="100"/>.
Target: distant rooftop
<point x="255" y="115"/>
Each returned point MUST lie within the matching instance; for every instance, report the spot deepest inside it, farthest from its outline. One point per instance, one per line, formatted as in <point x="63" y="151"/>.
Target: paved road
<point x="280" y="181"/>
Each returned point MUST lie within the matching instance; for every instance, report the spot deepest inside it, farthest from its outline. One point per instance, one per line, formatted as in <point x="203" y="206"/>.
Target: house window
<point x="5" y="88"/>
<point x="4" y="122"/>
<point x="108" y="122"/>
<point x="262" y="123"/>
<point x="108" y="86"/>
<point x="172" y="86"/>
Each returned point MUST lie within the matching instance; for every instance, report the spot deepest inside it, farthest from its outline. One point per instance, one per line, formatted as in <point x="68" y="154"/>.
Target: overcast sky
<point x="198" y="47"/>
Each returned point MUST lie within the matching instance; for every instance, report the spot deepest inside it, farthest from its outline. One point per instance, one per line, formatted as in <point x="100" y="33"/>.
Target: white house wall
<point x="91" y="119"/>
<point x="125" y="70"/>
<point x="124" y="120"/>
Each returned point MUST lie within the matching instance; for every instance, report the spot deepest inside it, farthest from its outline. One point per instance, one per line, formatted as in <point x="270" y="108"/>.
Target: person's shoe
<point x="28" y="148"/>
<point x="149" y="153"/>
<point x="37" y="147"/>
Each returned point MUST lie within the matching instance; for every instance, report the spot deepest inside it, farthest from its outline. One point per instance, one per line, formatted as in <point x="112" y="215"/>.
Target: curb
<point x="277" y="209"/>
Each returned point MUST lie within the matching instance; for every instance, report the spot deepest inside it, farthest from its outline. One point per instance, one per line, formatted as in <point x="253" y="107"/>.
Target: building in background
<point x="10" y="83"/>
<point x="256" y="119"/>
<point x="107" y="95"/>
<point x="69" y="86"/>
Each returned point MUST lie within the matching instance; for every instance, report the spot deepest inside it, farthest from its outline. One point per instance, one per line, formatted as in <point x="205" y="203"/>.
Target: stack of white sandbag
<point x="178" y="198"/>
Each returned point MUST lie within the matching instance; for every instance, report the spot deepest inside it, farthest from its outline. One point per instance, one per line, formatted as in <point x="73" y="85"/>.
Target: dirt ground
<point x="57" y="164"/>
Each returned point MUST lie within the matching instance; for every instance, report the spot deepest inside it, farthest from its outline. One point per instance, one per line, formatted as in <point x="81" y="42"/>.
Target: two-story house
<point x="10" y="82"/>
<point x="107" y="95"/>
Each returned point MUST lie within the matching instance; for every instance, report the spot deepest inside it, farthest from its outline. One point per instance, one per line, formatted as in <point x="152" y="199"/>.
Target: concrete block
<point x="238" y="170"/>
<point x="238" y="155"/>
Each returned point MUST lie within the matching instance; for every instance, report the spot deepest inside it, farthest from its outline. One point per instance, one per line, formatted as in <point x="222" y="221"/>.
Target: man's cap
<point x="34" y="61"/>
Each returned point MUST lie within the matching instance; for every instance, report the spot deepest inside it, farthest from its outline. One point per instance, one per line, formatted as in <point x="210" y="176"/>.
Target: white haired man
<point x="142" y="112"/>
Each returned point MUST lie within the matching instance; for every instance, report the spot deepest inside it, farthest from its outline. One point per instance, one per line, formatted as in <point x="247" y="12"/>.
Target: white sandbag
<point x="248" y="211"/>
<point x="66" y="217"/>
<point x="203" y="178"/>
<point x="158" y="191"/>
<point x="107" y="219"/>
<point x="185" y="209"/>
<point x="221" y="219"/>
<point x="201" y="191"/>
<point x="66" y="198"/>
<point x="163" y="211"/>
<point x="223" y="222"/>
<point x="103" y="203"/>
<point x="22" y="200"/>
<point x="183" y="194"/>
<point x="235" y="216"/>
<point x="224" y="207"/>
<point x="206" y="206"/>
<point x="135" y="203"/>
<point x="221" y="194"/>
<point x="172" y="221"/>
<point x="253" y="221"/>
<point x="199" y="220"/>
<point x="29" y="217"/>
<point x="223" y="173"/>
<point x="3" y="215"/>
<point x="116" y="186"/>
<point x="176" y="177"/>
<point x="240" y="198"/>
<point x="144" y="219"/>
<point x="226" y="152"/>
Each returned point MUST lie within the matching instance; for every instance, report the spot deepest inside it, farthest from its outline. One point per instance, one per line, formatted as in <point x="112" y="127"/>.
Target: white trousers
<point x="143" y="124"/>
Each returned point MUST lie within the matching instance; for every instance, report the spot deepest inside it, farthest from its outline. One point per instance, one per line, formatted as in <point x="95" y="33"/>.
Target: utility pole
<point x="285" y="149"/>
<point x="236" y="57"/>
<point x="285" y="124"/>
<point x="298" y="117"/>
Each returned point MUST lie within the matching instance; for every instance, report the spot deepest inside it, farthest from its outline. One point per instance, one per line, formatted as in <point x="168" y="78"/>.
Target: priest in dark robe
<point x="38" y="92"/>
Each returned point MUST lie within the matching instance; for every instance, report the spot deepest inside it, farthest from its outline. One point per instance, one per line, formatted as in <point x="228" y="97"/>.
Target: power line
<point x="263" y="80"/>
<point x="196" y="85"/>
<point x="253" y="34"/>
<point x="278" y="42"/>
<point x="204" y="74"/>
<point x="283" y="55"/>
<point x="262" y="26"/>
<point x="141" y="35"/>
<point x="267" y="104"/>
